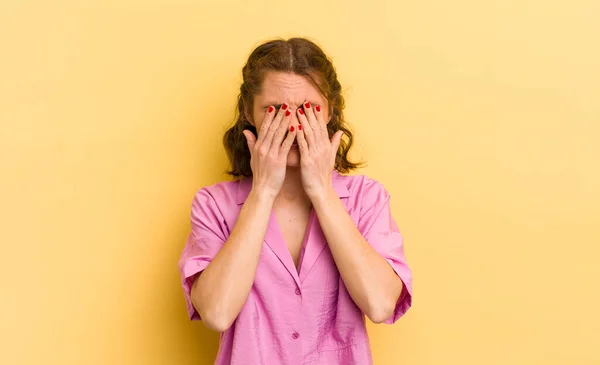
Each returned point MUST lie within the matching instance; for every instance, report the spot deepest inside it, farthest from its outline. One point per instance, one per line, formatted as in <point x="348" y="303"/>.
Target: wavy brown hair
<point x="299" y="56"/>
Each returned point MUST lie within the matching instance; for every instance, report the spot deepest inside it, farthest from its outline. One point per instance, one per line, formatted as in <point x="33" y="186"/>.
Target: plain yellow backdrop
<point x="482" y="119"/>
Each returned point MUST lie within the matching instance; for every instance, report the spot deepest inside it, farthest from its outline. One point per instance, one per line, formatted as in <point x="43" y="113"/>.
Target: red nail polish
<point x="284" y="106"/>
<point x="287" y="113"/>
<point x="299" y="127"/>
<point x="300" y="111"/>
<point x="307" y="105"/>
<point x="318" y="107"/>
<point x="271" y="109"/>
<point x="291" y="128"/>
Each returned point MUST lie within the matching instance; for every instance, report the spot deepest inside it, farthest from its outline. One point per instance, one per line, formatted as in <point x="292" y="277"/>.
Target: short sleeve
<point x="382" y="233"/>
<point x="204" y="242"/>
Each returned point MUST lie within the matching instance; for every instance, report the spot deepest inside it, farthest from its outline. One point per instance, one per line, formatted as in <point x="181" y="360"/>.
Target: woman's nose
<point x="294" y="116"/>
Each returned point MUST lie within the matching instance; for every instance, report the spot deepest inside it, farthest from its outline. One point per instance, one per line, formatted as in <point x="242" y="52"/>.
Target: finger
<point x="288" y="141"/>
<point x="281" y="131"/>
<point x="267" y="120"/>
<point x="335" y="144"/>
<point x="307" y="130"/>
<point x="302" y="143"/>
<point x="250" y="139"/>
<point x="312" y="120"/>
<point x="272" y="128"/>
<point x="321" y="119"/>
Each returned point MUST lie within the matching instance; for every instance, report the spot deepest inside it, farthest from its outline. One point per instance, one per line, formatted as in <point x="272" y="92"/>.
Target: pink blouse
<point x="301" y="316"/>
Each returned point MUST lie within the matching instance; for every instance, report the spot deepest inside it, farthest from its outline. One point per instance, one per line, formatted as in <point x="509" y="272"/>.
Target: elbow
<point x="216" y="321"/>
<point x="214" y="316"/>
<point x="382" y="308"/>
<point x="381" y="312"/>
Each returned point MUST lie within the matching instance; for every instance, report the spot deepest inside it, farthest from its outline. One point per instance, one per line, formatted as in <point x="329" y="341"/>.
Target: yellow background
<point x="482" y="118"/>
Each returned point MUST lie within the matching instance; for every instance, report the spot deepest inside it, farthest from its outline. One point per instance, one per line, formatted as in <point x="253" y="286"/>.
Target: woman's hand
<point x="269" y="152"/>
<point x="317" y="152"/>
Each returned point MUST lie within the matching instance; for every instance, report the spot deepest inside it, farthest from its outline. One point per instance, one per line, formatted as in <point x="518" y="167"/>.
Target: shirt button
<point x="297" y="291"/>
<point x="295" y="335"/>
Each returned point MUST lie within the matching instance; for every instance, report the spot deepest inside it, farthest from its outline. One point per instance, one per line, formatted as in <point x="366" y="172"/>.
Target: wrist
<point x="262" y="196"/>
<point x="323" y="196"/>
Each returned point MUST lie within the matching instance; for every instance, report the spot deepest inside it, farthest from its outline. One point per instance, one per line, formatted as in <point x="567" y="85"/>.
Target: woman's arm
<point x="220" y="291"/>
<point x="372" y="283"/>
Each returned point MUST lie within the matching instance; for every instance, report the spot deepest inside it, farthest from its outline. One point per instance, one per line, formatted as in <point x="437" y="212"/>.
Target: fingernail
<point x="284" y="106"/>
<point x="307" y="105"/>
<point x="318" y="107"/>
<point x="287" y="112"/>
<point x="299" y="127"/>
<point x="271" y="109"/>
<point x="291" y="128"/>
<point x="300" y="111"/>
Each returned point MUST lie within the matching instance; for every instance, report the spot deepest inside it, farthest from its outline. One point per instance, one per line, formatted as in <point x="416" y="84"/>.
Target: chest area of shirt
<point x="294" y="250"/>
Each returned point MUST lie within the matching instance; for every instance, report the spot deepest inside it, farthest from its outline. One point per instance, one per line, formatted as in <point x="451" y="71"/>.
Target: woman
<point x="286" y="260"/>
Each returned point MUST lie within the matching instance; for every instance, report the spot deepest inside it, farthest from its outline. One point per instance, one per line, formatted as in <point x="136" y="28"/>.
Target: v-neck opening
<point x="305" y="239"/>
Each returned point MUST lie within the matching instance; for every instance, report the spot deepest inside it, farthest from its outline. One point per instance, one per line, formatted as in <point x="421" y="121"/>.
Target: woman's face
<point x="292" y="89"/>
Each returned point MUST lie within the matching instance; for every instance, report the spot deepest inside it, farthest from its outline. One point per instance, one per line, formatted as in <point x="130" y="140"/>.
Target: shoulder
<point x="368" y="201"/>
<point x="363" y="189"/>
<point x="216" y="197"/>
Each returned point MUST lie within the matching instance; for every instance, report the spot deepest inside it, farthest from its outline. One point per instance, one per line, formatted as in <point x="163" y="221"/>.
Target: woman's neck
<point x="292" y="190"/>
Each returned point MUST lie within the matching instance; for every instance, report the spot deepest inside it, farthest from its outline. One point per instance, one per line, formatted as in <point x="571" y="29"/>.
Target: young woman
<point x="286" y="260"/>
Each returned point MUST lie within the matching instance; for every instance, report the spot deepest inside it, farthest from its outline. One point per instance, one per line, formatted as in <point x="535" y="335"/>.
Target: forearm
<point x="221" y="290"/>
<point x="370" y="280"/>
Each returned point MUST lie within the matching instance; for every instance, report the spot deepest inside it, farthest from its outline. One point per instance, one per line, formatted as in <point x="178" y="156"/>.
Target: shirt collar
<point x="339" y="186"/>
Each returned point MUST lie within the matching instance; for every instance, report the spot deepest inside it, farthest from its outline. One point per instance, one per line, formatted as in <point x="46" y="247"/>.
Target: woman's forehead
<point x="284" y="87"/>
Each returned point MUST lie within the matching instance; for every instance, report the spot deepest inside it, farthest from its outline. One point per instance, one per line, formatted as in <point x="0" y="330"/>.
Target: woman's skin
<point x="292" y="173"/>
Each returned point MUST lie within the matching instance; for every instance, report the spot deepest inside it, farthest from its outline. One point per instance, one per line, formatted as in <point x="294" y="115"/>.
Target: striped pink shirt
<point x="292" y="316"/>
